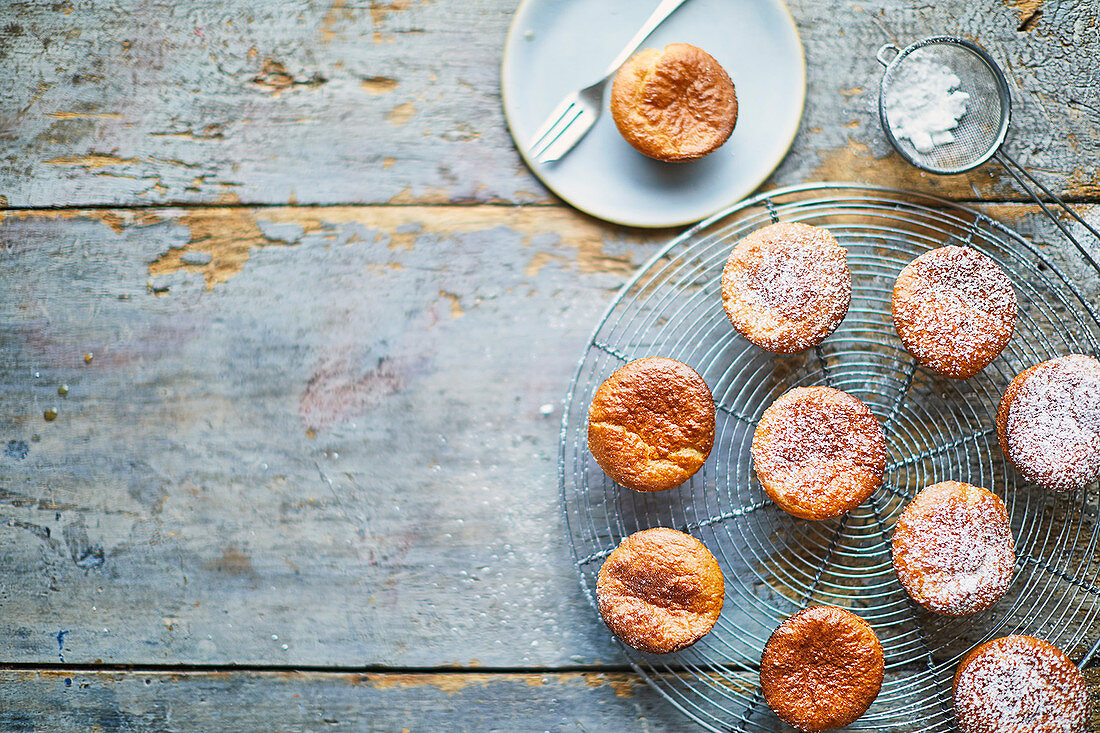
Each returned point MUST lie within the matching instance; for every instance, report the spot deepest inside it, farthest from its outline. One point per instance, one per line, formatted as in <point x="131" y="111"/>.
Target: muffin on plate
<point x="674" y="104"/>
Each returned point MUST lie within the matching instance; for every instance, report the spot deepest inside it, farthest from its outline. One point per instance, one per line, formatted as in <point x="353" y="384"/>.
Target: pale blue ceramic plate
<point x="557" y="46"/>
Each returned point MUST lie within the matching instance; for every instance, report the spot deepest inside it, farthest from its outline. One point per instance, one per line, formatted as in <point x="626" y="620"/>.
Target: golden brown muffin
<point x="786" y="286"/>
<point x="818" y="452"/>
<point x="1020" y="684"/>
<point x="674" y="104"/>
<point x="954" y="310"/>
<point x="822" y="668"/>
<point x="1048" y="422"/>
<point x="651" y="424"/>
<point x="953" y="549"/>
<point x="660" y="590"/>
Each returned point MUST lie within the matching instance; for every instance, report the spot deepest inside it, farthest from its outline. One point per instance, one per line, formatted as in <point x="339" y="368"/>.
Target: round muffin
<point x="953" y="549"/>
<point x="786" y="286"/>
<point x="822" y="668"/>
<point x="660" y="590"/>
<point x="1048" y="423"/>
<point x="818" y="452"/>
<point x="651" y="424"/>
<point x="1020" y="684"/>
<point x="674" y="104"/>
<point x="954" y="310"/>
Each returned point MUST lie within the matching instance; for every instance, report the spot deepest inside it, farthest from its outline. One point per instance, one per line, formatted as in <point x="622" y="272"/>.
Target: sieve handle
<point x="881" y="55"/>
<point x="1009" y="165"/>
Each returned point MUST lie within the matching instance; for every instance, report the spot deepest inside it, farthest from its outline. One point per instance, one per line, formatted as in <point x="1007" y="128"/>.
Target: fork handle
<point x="663" y="11"/>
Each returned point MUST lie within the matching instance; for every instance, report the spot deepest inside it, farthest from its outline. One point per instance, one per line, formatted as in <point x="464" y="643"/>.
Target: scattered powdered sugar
<point x="970" y="279"/>
<point x="921" y="104"/>
<point x="1053" y="426"/>
<point x="786" y="286"/>
<point x="953" y="549"/>
<point x="1021" y="685"/>
<point x="791" y="279"/>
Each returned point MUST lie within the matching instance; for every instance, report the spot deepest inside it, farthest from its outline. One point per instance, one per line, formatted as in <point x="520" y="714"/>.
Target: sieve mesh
<point x="936" y="429"/>
<point x="981" y="130"/>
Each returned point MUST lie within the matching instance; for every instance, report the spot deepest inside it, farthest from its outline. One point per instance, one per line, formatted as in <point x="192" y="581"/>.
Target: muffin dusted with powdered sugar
<point x="1020" y="684"/>
<point x="786" y="286"/>
<point x="953" y="549"/>
<point x="818" y="452"/>
<point x="954" y="310"/>
<point x="1048" y="422"/>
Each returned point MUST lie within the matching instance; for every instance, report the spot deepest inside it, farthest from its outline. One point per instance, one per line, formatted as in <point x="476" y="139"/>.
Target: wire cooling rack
<point x="936" y="430"/>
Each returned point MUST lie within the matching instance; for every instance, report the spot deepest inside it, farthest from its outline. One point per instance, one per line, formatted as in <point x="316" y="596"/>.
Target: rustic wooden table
<point x="282" y="313"/>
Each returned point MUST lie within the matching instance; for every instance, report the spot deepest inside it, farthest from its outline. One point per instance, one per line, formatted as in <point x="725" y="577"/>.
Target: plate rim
<point x="505" y="77"/>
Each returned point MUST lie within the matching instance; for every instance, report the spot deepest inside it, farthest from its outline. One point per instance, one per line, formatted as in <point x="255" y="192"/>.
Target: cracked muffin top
<point x="674" y="104"/>
<point x="651" y="424"/>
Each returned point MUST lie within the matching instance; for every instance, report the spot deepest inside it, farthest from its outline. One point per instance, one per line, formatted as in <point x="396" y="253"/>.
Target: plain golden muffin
<point x="818" y="452"/>
<point x="786" y="286"/>
<point x="822" y="668"/>
<point x="660" y="590"/>
<point x="674" y="104"/>
<point x="651" y="424"/>
<point x="1020" y="684"/>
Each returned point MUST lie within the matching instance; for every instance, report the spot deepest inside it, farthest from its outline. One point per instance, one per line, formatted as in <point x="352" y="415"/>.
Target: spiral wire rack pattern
<point x="936" y="430"/>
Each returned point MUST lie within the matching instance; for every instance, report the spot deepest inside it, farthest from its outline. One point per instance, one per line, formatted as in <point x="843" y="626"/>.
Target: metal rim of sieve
<point x="775" y="564"/>
<point x="995" y="73"/>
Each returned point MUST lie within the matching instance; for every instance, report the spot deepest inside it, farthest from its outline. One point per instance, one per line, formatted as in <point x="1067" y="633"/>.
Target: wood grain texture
<point x="295" y="702"/>
<point x="146" y="101"/>
<point x="141" y="701"/>
<point x="340" y="431"/>
<point x="285" y="326"/>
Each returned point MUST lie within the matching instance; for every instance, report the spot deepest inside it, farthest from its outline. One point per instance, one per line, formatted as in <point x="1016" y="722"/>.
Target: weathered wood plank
<point x="83" y="700"/>
<point x="87" y="700"/>
<point x="333" y="426"/>
<point x="317" y="102"/>
<point x="335" y="443"/>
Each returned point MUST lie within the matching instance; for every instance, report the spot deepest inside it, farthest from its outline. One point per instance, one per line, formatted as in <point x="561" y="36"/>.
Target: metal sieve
<point x="981" y="132"/>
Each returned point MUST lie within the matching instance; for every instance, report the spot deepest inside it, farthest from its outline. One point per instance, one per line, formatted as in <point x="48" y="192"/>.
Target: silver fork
<point x="576" y="114"/>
